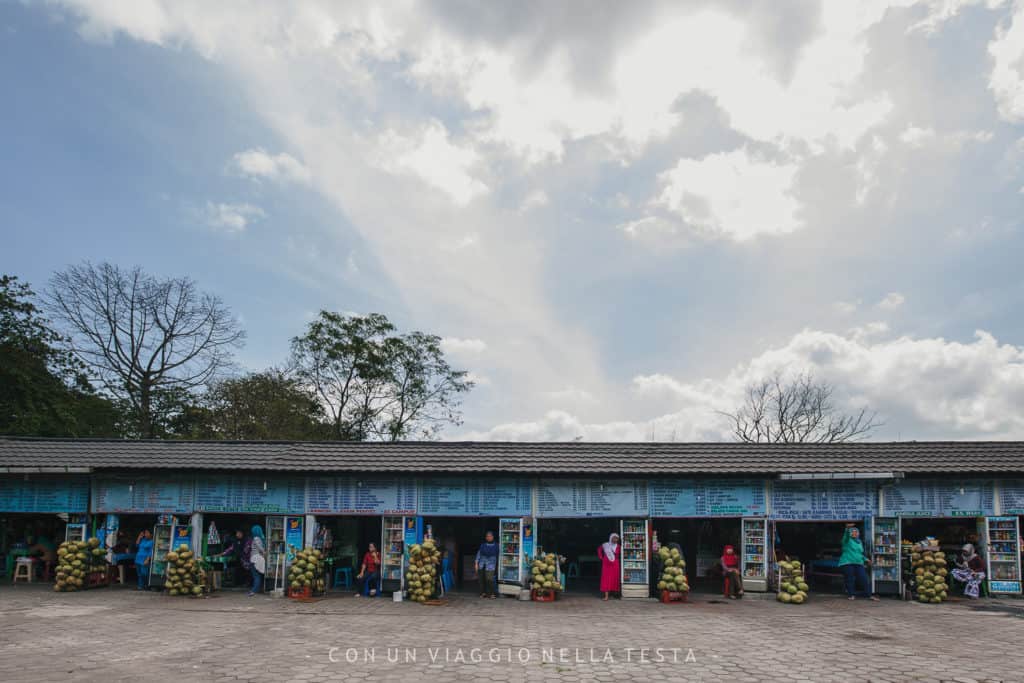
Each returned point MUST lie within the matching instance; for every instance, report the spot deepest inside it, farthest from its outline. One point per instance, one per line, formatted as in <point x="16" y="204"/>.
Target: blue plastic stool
<point x="574" y="570"/>
<point x="343" y="577"/>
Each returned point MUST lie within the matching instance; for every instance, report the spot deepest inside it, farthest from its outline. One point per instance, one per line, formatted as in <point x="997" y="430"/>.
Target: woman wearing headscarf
<point x="611" y="574"/>
<point x="970" y="569"/>
<point x="486" y="564"/>
<point x="257" y="559"/>
<point x="731" y="571"/>
<point x="852" y="563"/>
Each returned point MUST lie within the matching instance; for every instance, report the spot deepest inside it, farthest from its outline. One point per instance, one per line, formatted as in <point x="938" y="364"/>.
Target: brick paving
<point x="118" y="634"/>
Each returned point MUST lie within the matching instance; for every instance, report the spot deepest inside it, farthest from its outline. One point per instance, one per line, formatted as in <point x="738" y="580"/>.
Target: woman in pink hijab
<point x="611" y="577"/>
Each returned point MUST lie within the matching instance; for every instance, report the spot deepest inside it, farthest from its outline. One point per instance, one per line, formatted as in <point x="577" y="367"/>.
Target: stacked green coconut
<point x="184" y="574"/>
<point x="930" y="573"/>
<point x="76" y="560"/>
<point x="544" y="575"/>
<point x="792" y="586"/>
<point x="421" y="574"/>
<point x="673" y="573"/>
<point x="307" y="569"/>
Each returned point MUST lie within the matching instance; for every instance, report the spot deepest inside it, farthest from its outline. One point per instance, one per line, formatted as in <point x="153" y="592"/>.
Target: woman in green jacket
<point x="851" y="563"/>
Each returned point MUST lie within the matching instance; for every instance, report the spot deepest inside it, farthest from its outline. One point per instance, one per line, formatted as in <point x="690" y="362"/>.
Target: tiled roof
<point x="939" y="457"/>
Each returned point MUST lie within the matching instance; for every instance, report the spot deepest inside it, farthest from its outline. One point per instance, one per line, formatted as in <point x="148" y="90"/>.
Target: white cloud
<point x="282" y="167"/>
<point x="1006" y="80"/>
<point x="892" y="301"/>
<point x="534" y="200"/>
<point x="931" y="388"/>
<point x="231" y="217"/>
<point x="455" y="345"/>
<point x="430" y="155"/>
<point x="846" y="307"/>
<point x="733" y="194"/>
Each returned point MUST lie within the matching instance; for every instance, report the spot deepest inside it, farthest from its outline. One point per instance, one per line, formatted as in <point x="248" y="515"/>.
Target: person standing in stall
<point x="486" y="564"/>
<point x="731" y="572"/>
<point x="970" y="569"/>
<point x="369" y="572"/>
<point x="143" y="559"/>
<point x="611" y="575"/>
<point x="852" y="563"/>
<point x="257" y="560"/>
<point x="233" y="553"/>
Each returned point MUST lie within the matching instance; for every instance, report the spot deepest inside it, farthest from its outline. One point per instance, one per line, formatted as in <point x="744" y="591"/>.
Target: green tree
<point x="43" y="389"/>
<point x="260" y="406"/>
<point x="374" y="383"/>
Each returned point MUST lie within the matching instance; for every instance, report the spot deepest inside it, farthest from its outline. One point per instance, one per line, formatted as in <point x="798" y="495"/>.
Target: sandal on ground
<point x="851" y="598"/>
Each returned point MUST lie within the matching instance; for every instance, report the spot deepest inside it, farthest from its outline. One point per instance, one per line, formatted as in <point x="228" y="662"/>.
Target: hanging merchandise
<point x="545" y="582"/>
<point x="792" y="586"/>
<point x="185" y="576"/>
<point x="212" y="537"/>
<point x="80" y="565"/>
<point x="673" y="584"/>
<point x="306" y="575"/>
<point x="929" y="565"/>
<point x="421" y="576"/>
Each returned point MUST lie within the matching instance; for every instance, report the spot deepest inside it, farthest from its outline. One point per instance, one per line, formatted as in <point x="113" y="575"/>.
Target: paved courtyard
<point x="118" y="634"/>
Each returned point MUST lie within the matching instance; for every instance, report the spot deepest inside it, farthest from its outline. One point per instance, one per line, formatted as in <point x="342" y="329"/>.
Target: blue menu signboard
<point x="358" y="496"/>
<point x="143" y="495"/>
<point x="939" y="498"/>
<point x="457" y="497"/>
<point x="44" y="495"/>
<point x="1011" y="496"/>
<point x="250" y="494"/>
<point x="707" y="498"/>
<point x="837" y="499"/>
<point x="592" y="498"/>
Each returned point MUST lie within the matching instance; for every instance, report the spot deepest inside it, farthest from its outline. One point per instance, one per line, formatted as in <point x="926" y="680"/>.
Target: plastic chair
<point x="447" y="577"/>
<point x="342" y="577"/>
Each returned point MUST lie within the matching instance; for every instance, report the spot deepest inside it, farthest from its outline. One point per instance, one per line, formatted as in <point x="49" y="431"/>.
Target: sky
<point x="616" y="215"/>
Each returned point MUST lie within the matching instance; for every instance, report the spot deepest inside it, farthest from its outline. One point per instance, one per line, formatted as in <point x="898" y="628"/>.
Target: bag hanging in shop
<point x="212" y="537"/>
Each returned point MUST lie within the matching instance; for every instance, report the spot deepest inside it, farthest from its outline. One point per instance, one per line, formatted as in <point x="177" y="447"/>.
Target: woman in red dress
<point x="611" y="577"/>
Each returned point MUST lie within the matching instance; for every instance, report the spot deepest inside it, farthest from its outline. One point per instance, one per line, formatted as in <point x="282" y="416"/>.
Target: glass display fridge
<point x="76" y="529"/>
<point x="754" y="554"/>
<point x="163" y="538"/>
<point x="284" y="539"/>
<point x="392" y="554"/>
<point x="886" y="574"/>
<point x="1002" y="550"/>
<point x="510" y="557"/>
<point x="635" y="558"/>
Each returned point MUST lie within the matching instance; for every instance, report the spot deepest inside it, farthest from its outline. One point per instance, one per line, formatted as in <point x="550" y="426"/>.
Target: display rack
<point x="1003" y="550"/>
<point x="163" y="535"/>
<point x="511" y="548"/>
<point x="885" y="547"/>
<point x="635" y="559"/>
<point x="277" y="551"/>
<point x="754" y="554"/>
<point x="392" y="553"/>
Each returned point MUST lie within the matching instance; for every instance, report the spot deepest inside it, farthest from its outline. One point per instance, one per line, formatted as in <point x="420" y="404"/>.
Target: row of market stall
<point x="768" y="520"/>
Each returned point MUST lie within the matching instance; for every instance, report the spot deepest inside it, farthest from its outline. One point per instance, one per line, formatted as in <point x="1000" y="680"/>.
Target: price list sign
<point x="833" y="500"/>
<point x="469" y="497"/>
<point x="44" y="495"/>
<point x="592" y="498"/>
<point x="246" y="494"/>
<point x="707" y="498"/>
<point x="1011" y="496"/>
<point x="939" y="498"/>
<point x="143" y="495"/>
<point x="356" y="496"/>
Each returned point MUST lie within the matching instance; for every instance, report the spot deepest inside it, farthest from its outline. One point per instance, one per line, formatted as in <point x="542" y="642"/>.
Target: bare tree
<point x="141" y="336"/>
<point x="799" y="410"/>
